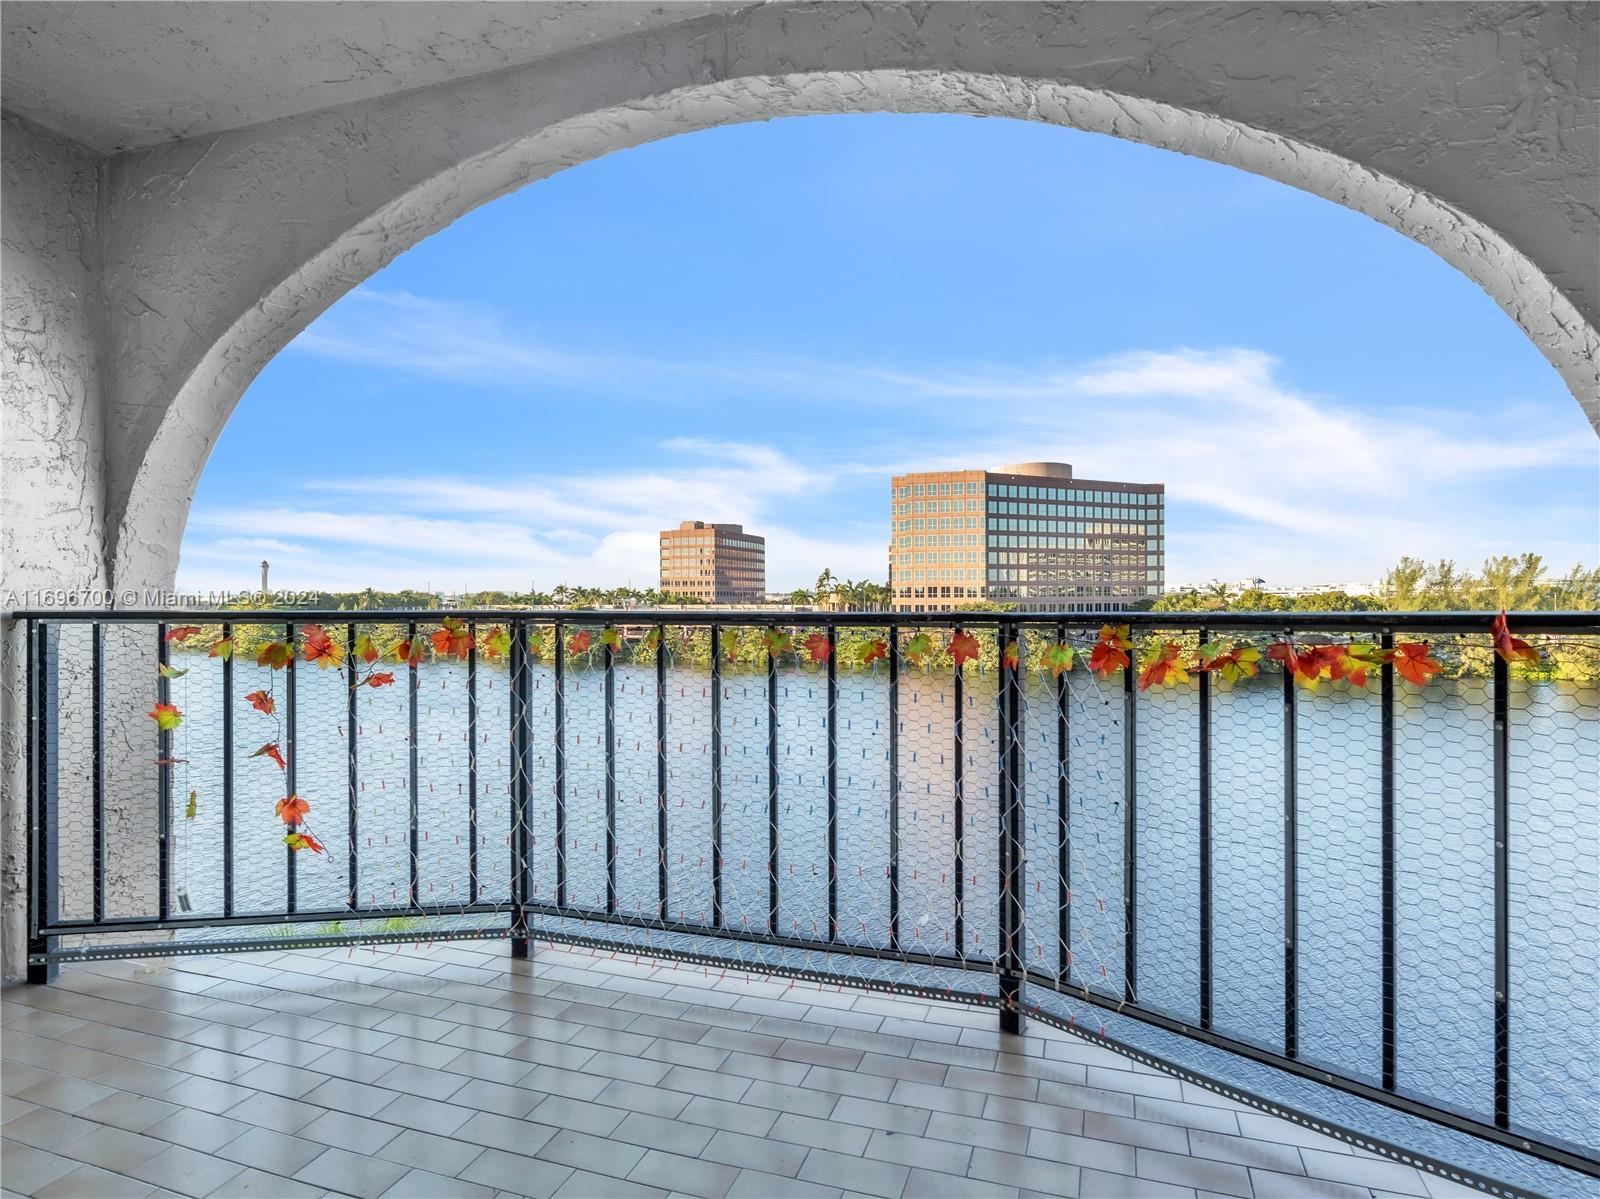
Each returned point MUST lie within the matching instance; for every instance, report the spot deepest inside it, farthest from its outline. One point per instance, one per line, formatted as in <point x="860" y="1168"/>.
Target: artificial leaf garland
<point x="963" y="649"/>
<point x="1058" y="659"/>
<point x="1512" y="649"/>
<point x="868" y="652"/>
<point x="271" y="750"/>
<point x="1242" y="661"/>
<point x="1165" y="667"/>
<point x="317" y="645"/>
<point x="496" y="643"/>
<point x="1110" y="653"/>
<point x="166" y="716"/>
<point x="1414" y="662"/>
<point x="819" y="646"/>
<point x="452" y="639"/>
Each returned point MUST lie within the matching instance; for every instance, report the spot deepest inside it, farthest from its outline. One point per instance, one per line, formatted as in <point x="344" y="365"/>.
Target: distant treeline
<point x="1505" y="584"/>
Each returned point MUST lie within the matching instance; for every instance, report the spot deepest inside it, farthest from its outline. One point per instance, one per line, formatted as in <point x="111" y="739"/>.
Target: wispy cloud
<point x="1262" y="478"/>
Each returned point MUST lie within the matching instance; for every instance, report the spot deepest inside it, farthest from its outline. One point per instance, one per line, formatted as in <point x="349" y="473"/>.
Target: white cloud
<point x="1262" y="479"/>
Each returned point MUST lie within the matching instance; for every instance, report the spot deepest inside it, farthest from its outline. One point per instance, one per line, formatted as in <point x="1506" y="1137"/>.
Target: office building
<point x="716" y="563"/>
<point x="1030" y="535"/>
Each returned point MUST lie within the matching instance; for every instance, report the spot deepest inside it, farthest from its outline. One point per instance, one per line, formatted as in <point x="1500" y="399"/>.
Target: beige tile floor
<point x="451" y="1069"/>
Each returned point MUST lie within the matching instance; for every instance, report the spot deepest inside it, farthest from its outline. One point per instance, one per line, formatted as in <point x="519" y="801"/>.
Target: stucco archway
<point x="263" y="228"/>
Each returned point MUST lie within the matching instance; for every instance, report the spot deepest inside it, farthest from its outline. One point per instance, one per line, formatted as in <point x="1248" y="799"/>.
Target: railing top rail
<point x="1340" y="622"/>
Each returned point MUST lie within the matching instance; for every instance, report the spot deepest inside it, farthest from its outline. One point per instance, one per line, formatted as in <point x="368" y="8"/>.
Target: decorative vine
<point x="1165" y="663"/>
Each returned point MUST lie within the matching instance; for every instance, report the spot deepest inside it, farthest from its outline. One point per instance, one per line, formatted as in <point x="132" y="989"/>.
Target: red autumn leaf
<point x="1413" y="661"/>
<point x="317" y="646"/>
<point x="292" y="809"/>
<point x="276" y="654"/>
<point x="222" y="648"/>
<point x="262" y="702"/>
<point x="1110" y="653"/>
<point x="496" y="642"/>
<point x="166" y="717"/>
<point x="452" y="637"/>
<point x="964" y="649"/>
<point x="1164" y="668"/>
<point x="299" y="841"/>
<point x="378" y="678"/>
<point x="872" y="651"/>
<point x="1512" y="649"/>
<point x="365" y="650"/>
<point x="409" y="651"/>
<point x="819" y="647"/>
<point x="183" y="632"/>
<point x="1012" y="657"/>
<point x="270" y="750"/>
<point x="580" y="641"/>
<point x="1306" y="663"/>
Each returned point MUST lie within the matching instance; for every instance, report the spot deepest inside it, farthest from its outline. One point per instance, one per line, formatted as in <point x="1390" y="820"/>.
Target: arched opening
<point x="160" y="478"/>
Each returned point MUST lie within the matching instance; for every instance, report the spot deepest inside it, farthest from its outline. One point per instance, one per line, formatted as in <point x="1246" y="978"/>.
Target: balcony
<point x="945" y="904"/>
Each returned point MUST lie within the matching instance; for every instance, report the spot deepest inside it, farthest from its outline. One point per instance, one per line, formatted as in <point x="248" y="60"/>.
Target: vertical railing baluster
<point x="521" y="736"/>
<point x="41" y="650"/>
<point x="414" y="799"/>
<point x="772" y="793"/>
<point x="164" y="786"/>
<point x="716" y="776"/>
<point x="1011" y="960"/>
<point x="227" y="771"/>
<point x="1291" y="868"/>
<point x="958" y="729"/>
<point x="97" y="704"/>
<point x="290" y="722"/>
<point x="1387" y="852"/>
<point x="472" y="765"/>
<point x="560" y="700"/>
<point x="608" y="656"/>
<point x="1130" y="834"/>
<point x="1063" y="824"/>
<point x="661" y="772"/>
<point x="894" y="788"/>
<point x="1204" y="782"/>
<point x="1502" y="893"/>
<point x="352" y="771"/>
<point x="833" y="784"/>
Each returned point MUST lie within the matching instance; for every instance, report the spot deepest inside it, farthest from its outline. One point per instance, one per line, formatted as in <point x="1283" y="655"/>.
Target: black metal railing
<point x="1268" y="869"/>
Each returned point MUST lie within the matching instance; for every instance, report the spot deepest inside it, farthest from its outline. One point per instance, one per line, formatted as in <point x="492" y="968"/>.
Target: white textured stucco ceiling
<point x="123" y="76"/>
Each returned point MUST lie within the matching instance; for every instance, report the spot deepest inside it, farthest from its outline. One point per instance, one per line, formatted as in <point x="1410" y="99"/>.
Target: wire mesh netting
<point x="1311" y="872"/>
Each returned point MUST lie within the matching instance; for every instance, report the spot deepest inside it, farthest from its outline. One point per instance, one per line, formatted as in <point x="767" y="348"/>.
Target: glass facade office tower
<point x="1030" y="535"/>
<point x="720" y="564"/>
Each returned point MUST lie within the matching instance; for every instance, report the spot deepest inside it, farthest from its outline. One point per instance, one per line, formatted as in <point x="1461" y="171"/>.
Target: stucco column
<point x="52" y="529"/>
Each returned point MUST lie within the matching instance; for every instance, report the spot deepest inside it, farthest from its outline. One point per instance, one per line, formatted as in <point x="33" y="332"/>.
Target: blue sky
<point x="761" y="323"/>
